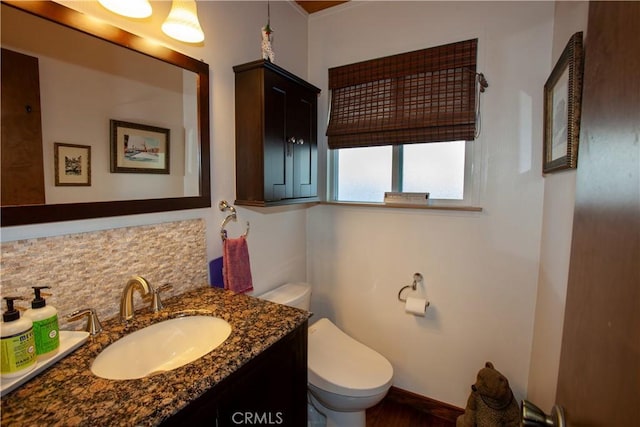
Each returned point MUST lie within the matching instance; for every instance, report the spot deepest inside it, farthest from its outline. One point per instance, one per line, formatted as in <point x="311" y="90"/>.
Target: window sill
<point x="406" y="206"/>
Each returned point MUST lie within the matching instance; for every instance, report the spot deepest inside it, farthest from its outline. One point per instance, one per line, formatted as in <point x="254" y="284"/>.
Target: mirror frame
<point x="35" y="214"/>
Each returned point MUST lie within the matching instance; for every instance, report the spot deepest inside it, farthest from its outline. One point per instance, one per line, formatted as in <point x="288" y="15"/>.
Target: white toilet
<point x="345" y="376"/>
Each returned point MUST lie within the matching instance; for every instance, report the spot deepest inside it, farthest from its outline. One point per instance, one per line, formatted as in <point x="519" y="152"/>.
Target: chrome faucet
<point x="156" y="303"/>
<point x="126" y="300"/>
<point x="94" y="327"/>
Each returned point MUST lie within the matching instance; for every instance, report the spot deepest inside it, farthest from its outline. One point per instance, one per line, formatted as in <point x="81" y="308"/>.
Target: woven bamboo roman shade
<point x="422" y="96"/>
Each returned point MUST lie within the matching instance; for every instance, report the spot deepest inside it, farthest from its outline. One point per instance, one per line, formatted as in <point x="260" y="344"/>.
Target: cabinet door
<point x="290" y="149"/>
<point x="302" y="138"/>
<point x="278" y="162"/>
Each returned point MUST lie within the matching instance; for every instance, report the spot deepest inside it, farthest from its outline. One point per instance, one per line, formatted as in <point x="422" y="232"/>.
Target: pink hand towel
<point x="237" y="269"/>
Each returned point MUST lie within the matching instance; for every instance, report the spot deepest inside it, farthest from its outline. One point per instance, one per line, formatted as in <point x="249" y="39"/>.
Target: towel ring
<point x="224" y="206"/>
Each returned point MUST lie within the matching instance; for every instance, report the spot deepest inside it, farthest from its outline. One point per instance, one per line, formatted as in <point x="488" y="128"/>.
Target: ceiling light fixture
<point x="182" y="23"/>
<point x="128" y="8"/>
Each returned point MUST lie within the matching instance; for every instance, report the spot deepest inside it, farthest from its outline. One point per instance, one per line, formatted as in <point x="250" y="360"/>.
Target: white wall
<point x="557" y="225"/>
<point x="232" y="31"/>
<point x="480" y="269"/>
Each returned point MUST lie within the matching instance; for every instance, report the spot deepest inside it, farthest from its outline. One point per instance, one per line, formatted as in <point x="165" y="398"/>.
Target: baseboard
<point x="434" y="407"/>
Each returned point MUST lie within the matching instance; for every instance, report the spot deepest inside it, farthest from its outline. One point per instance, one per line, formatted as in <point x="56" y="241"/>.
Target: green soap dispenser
<point x="17" y="346"/>
<point x="46" y="330"/>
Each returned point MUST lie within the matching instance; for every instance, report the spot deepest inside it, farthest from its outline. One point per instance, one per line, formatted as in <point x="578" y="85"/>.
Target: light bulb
<point x="182" y="23"/>
<point x="128" y="8"/>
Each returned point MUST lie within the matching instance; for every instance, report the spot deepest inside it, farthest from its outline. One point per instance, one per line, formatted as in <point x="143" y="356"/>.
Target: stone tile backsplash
<point x="89" y="270"/>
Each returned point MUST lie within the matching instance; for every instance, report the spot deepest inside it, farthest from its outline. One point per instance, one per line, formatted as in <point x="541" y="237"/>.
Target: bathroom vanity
<point x="258" y="374"/>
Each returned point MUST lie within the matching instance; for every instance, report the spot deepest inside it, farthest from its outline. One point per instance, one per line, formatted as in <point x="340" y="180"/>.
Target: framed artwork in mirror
<point x="562" y="102"/>
<point x="72" y="164"/>
<point x="139" y="148"/>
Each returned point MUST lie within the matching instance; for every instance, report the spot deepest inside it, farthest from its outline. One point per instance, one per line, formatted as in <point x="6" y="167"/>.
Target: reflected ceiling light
<point x="128" y="8"/>
<point x="182" y="23"/>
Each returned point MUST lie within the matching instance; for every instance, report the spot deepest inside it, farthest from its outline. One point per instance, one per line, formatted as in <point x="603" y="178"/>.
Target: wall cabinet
<point x="276" y="136"/>
<point x="269" y="390"/>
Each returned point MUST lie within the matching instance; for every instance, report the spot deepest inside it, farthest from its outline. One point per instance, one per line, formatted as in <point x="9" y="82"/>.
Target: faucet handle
<point x="156" y="303"/>
<point x="93" y="323"/>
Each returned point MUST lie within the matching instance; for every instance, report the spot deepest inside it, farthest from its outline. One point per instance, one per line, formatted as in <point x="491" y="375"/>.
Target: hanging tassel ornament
<point x="267" y="50"/>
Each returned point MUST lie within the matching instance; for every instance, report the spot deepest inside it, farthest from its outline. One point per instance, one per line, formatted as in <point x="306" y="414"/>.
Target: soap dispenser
<point x="18" y="349"/>
<point x="46" y="330"/>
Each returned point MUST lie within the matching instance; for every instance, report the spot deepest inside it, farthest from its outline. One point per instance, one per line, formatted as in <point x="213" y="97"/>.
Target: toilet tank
<point x="293" y="294"/>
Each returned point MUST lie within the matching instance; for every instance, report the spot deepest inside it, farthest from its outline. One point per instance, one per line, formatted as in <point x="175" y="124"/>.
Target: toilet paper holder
<point x="417" y="278"/>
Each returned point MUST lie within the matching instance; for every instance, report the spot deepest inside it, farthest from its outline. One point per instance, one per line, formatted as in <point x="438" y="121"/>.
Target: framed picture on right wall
<point x="562" y="102"/>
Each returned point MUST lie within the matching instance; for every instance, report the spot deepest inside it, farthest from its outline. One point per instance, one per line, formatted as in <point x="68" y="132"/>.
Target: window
<point x="405" y="123"/>
<point x="437" y="168"/>
<point x="364" y="174"/>
<point x="445" y="170"/>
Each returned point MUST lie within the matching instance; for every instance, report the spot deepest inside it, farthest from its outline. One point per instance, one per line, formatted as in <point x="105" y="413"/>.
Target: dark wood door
<point x="599" y="379"/>
<point x="22" y="167"/>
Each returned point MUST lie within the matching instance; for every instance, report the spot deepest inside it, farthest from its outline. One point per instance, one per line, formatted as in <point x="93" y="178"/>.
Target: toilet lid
<point x="339" y="364"/>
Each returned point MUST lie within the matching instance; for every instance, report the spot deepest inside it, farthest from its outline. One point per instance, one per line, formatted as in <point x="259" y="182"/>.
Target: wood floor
<point x="391" y="413"/>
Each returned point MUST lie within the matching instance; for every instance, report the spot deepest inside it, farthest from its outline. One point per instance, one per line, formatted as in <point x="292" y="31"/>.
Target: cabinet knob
<point x="294" y="140"/>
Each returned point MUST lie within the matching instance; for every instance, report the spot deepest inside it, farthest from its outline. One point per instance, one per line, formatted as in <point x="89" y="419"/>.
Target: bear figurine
<point x="491" y="402"/>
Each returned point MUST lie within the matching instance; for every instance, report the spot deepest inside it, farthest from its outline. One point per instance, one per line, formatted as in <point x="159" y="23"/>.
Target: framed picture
<point x="72" y="164"/>
<point x="137" y="148"/>
<point x="562" y="102"/>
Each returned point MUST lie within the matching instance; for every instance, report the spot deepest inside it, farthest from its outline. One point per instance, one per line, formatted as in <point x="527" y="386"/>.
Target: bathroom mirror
<point x="185" y="183"/>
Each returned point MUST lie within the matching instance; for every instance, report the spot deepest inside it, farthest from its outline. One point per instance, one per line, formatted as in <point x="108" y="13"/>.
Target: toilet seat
<point x="339" y="364"/>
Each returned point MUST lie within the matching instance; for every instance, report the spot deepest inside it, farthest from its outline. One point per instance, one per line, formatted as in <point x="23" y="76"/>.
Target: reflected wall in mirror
<point x="109" y="74"/>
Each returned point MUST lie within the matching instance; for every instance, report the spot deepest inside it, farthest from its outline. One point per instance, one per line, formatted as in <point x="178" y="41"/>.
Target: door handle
<point x="531" y="415"/>
<point x="291" y="141"/>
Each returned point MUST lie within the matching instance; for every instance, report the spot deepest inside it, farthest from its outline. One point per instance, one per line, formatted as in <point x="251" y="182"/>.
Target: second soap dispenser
<point x="46" y="330"/>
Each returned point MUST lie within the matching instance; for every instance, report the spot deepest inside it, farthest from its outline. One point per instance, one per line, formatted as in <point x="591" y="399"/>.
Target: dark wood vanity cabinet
<point x="276" y="136"/>
<point x="271" y="389"/>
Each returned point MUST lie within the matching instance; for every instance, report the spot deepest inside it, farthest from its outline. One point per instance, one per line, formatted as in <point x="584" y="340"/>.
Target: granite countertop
<point x="68" y="394"/>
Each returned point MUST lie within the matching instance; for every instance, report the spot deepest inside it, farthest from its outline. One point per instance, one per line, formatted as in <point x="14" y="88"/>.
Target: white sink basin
<point x="161" y="347"/>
